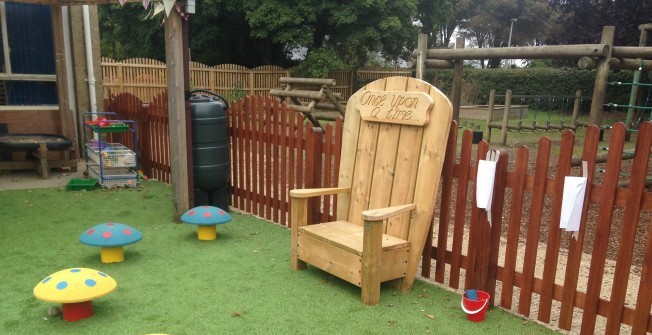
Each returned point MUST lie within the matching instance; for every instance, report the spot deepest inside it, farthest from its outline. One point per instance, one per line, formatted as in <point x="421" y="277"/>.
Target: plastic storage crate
<point x="77" y="184"/>
<point x="118" y="177"/>
<point x="111" y="154"/>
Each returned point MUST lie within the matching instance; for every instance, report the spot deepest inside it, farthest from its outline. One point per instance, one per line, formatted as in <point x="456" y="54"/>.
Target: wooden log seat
<point x="37" y="147"/>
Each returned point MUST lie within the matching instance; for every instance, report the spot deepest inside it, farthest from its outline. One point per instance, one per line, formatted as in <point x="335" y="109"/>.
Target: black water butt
<point x="210" y="149"/>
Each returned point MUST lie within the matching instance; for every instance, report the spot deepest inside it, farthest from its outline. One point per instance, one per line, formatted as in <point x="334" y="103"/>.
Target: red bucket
<point x="476" y="309"/>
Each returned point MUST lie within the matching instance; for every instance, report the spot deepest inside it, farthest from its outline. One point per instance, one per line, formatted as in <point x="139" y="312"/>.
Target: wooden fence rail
<point x="572" y="283"/>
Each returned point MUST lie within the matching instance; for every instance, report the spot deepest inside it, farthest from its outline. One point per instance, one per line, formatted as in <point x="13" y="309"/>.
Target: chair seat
<point x="348" y="236"/>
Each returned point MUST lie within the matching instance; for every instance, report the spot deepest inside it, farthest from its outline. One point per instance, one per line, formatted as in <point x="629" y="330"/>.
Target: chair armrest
<point x="315" y="192"/>
<point x="380" y="214"/>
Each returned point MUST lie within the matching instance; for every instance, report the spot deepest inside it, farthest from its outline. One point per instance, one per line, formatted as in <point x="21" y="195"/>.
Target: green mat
<point x="172" y="283"/>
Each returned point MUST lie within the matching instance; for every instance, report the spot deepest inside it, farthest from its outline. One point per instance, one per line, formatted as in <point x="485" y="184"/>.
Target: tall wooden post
<point x="508" y="105"/>
<point x="187" y="107"/>
<point x="67" y="123"/>
<point x="422" y="50"/>
<point x="490" y="114"/>
<point x="457" y="80"/>
<point x="601" y="76"/>
<point x="176" y="114"/>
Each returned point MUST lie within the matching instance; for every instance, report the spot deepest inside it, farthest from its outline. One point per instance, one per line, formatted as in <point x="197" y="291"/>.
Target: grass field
<point x="172" y="283"/>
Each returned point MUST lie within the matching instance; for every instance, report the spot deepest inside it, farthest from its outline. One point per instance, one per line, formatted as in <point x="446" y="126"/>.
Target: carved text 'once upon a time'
<point x="395" y="107"/>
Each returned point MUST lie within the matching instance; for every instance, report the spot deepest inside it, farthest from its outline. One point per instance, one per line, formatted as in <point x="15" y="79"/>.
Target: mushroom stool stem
<point x="77" y="311"/>
<point x="112" y="254"/>
<point x="207" y="233"/>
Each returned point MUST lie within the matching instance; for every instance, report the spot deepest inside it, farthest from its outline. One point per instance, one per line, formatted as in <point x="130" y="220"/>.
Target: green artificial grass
<point x="170" y="282"/>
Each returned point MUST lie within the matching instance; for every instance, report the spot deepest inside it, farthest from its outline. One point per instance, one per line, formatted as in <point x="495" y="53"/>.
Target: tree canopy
<point x="353" y="33"/>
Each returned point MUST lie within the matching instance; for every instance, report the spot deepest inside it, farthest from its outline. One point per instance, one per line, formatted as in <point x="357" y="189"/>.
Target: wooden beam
<point x="439" y="64"/>
<point x="307" y="81"/>
<point x="601" y="76"/>
<point x="176" y="114"/>
<point x="632" y="52"/>
<point x="298" y="94"/>
<point x="542" y="52"/>
<point x="615" y="63"/>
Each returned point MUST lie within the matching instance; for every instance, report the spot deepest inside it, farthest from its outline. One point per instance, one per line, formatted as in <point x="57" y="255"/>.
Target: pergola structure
<point x="176" y="60"/>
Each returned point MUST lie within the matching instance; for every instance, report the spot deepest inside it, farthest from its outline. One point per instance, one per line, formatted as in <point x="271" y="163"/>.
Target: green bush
<point x="531" y="81"/>
<point x="318" y="64"/>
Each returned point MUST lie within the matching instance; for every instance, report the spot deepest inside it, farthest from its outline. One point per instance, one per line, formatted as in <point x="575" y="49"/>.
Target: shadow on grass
<point x="172" y="283"/>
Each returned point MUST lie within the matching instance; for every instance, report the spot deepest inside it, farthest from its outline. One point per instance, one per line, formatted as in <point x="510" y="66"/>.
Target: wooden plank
<point x="326" y="172"/>
<point x="339" y="129"/>
<point x="601" y="240"/>
<point x="445" y="207"/>
<point x="363" y="171"/>
<point x="431" y="160"/>
<point x="268" y="172"/>
<point x="534" y="224"/>
<point x="629" y="228"/>
<point x="284" y="162"/>
<point x="406" y="164"/>
<point x="477" y="226"/>
<point x="313" y="154"/>
<point x="460" y="209"/>
<point x="256" y="153"/>
<point x="336" y="261"/>
<point x="348" y="236"/>
<point x="488" y="281"/>
<point x="349" y="147"/>
<point x="275" y="122"/>
<point x="514" y="225"/>
<point x="292" y="129"/>
<point x="243" y="152"/>
<point x="591" y="142"/>
<point x="249" y="147"/>
<point x="644" y="300"/>
<point x="554" y="232"/>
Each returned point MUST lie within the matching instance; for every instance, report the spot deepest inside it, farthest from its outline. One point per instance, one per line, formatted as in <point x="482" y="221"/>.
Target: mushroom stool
<point x="75" y="289"/>
<point x="111" y="237"/>
<point x="206" y="218"/>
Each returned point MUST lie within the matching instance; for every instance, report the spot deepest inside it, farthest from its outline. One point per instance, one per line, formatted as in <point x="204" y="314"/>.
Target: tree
<point x="440" y="19"/>
<point x="581" y="21"/>
<point x="125" y="34"/>
<point x="491" y="21"/>
<point x="256" y="32"/>
<point x="353" y="29"/>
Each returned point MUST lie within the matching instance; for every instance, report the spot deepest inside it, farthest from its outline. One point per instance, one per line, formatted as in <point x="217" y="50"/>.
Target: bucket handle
<point x="473" y="312"/>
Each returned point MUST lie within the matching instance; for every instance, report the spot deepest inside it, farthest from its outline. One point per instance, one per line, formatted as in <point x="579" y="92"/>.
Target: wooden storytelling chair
<point x="395" y="133"/>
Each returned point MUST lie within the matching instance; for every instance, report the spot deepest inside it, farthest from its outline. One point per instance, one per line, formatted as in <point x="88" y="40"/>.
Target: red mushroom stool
<point x="75" y="290"/>
<point x="206" y="218"/>
<point x="111" y="237"/>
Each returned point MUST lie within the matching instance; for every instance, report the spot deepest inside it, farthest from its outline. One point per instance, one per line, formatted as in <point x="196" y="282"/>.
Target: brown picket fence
<point x="274" y="150"/>
<point x="591" y="284"/>
<point x="519" y="253"/>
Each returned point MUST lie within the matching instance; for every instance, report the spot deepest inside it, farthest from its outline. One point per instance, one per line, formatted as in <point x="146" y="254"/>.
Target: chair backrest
<point x="389" y="158"/>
